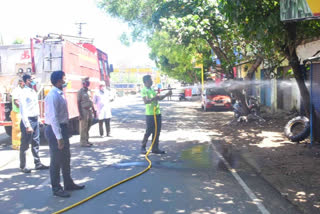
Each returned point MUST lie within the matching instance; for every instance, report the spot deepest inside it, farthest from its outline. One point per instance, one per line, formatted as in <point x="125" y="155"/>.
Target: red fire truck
<point x="41" y="58"/>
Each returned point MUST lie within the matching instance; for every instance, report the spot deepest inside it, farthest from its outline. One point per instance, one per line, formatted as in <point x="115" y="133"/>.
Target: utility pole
<point x="80" y="27"/>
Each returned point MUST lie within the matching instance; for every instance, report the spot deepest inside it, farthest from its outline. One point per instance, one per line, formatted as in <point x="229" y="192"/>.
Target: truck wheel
<point x="8" y="130"/>
<point x="297" y="129"/>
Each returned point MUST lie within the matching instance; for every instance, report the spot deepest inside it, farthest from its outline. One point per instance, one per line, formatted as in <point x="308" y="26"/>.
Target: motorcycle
<point x="254" y="110"/>
<point x="254" y="105"/>
<point x="182" y="96"/>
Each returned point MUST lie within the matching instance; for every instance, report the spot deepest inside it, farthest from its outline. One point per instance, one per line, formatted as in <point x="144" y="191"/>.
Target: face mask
<point x="87" y="83"/>
<point x="65" y="85"/>
<point x="33" y="83"/>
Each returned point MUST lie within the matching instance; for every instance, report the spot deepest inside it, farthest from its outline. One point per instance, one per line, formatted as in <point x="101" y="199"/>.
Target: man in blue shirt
<point x="56" y="133"/>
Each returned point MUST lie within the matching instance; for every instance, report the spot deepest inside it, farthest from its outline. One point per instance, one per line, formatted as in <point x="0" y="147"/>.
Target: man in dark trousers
<point x="151" y="98"/>
<point x="29" y="126"/>
<point x="56" y="133"/>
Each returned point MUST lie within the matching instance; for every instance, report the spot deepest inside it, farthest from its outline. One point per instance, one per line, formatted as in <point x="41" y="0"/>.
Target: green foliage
<point x="124" y="39"/>
<point x="259" y="21"/>
<point x="18" y="41"/>
<point x="250" y="27"/>
<point x="178" y="60"/>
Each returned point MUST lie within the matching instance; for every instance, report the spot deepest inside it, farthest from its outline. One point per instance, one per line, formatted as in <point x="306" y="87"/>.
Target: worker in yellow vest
<point x="15" y="116"/>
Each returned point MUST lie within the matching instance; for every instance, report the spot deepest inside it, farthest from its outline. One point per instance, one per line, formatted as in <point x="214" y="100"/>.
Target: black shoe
<point x="86" y="145"/>
<point x="61" y="193"/>
<point x="74" y="187"/>
<point x="25" y="170"/>
<point x="41" y="166"/>
<point x="158" y="151"/>
<point x="143" y="150"/>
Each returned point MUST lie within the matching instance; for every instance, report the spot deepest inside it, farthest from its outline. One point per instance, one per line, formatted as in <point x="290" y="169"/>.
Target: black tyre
<point x="255" y="111"/>
<point x="297" y="129"/>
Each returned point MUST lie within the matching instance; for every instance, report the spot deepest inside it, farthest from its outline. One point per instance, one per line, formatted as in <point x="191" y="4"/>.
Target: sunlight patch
<point x="270" y="140"/>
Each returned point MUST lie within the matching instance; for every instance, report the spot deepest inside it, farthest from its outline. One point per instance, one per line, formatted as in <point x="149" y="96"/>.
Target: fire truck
<point x="41" y="58"/>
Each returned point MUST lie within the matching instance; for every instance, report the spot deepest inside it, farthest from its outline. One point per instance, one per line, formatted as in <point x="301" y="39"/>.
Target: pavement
<point x="7" y="155"/>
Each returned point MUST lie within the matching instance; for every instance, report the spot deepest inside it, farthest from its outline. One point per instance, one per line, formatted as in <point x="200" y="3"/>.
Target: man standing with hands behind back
<point x="56" y="133"/>
<point x="86" y="108"/>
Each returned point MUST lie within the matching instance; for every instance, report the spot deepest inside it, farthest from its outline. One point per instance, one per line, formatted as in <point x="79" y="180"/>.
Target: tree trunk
<point x="298" y="75"/>
<point x="217" y="50"/>
<point x="290" y="52"/>
<point x="242" y="98"/>
<point x="254" y="67"/>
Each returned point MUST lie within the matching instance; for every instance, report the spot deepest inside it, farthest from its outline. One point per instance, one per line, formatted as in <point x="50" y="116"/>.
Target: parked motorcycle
<point x="254" y="105"/>
<point x="182" y="96"/>
<point x="254" y="110"/>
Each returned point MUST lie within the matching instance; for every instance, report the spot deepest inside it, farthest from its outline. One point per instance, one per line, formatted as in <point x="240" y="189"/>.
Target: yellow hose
<point x="120" y="182"/>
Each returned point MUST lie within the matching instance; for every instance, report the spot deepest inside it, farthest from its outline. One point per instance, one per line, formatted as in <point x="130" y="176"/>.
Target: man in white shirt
<point x="102" y="99"/>
<point x="29" y="126"/>
<point x="56" y="133"/>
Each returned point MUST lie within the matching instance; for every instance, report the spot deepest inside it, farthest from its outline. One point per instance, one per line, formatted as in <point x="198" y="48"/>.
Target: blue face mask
<point x="33" y="83"/>
<point x="65" y="85"/>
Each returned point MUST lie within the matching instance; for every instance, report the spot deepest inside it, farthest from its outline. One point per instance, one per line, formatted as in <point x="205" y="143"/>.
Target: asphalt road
<point x="194" y="176"/>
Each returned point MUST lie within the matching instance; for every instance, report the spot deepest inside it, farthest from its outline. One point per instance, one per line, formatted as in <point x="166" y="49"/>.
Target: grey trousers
<point x="85" y="124"/>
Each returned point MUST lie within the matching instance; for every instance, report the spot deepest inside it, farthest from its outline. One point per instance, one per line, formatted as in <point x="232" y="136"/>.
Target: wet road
<point x="196" y="175"/>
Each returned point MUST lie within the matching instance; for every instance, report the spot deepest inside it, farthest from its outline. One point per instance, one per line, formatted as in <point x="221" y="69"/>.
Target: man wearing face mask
<point x="102" y="99"/>
<point x="29" y="126"/>
<point x="85" y="107"/>
<point x="56" y="133"/>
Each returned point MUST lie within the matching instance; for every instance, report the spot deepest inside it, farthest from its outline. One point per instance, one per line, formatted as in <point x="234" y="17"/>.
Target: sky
<point x="28" y="18"/>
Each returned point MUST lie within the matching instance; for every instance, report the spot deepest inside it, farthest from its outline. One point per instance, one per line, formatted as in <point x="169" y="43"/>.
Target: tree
<point x="179" y="60"/>
<point x="187" y="21"/>
<point x="231" y="28"/>
<point x="259" y="20"/>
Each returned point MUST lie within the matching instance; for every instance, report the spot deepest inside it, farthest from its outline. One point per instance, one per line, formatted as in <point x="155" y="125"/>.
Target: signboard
<point x="299" y="9"/>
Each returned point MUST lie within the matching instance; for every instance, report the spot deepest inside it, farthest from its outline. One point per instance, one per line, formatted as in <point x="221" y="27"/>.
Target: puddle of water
<point x="130" y="164"/>
<point x="156" y="164"/>
<point x="195" y="157"/>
